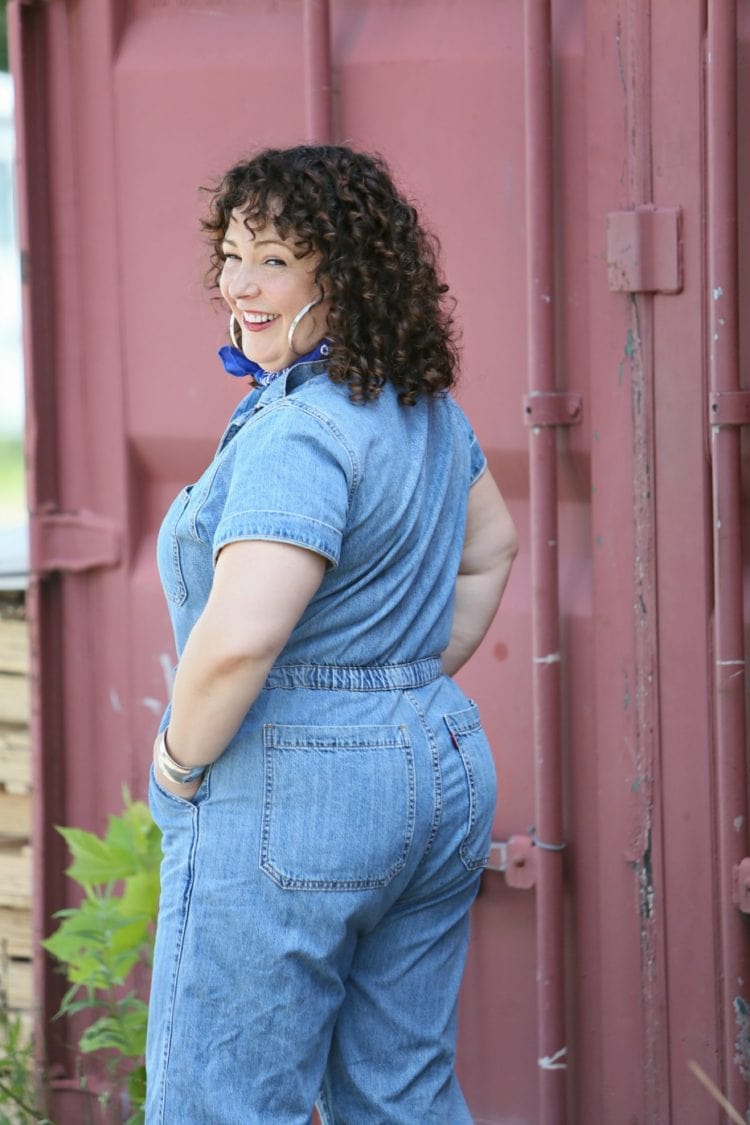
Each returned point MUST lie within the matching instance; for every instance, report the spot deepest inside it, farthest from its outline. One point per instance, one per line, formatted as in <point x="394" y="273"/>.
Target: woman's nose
<point x="244" y="282"/>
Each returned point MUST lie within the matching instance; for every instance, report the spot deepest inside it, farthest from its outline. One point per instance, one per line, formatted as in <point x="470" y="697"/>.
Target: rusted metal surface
<point x="612" y="417"/>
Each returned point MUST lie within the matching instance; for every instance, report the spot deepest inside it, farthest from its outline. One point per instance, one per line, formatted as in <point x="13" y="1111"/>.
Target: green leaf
<point x="125" y="1033"/>
<point x="140" y="896"/>
<point x="95" y="860"/>
<point x="136" y="1086"/>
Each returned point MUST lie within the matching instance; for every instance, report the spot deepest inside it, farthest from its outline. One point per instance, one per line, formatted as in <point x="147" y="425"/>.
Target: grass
<point x="12" y="482"/>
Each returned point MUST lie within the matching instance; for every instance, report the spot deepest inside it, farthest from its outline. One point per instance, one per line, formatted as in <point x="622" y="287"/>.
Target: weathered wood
<point x="16" y="941"/>
<point x="15" y="876"/>
<point x="20" y="980"/>
<point x="14" y="698"/>
<point x="14" y="647"/>
<point x="15" y="760"/>
<point x="15" y="932"/>
<point x="15" y="815"/>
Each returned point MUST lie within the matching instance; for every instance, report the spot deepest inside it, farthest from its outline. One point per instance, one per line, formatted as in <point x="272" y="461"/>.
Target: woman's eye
<point x="275" y="262"/>
<point x="227" y="256"/>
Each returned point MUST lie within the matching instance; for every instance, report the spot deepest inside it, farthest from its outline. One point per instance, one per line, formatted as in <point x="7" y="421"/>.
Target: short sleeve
<point x="478" y="461"/>
<point x="291" y="482"/>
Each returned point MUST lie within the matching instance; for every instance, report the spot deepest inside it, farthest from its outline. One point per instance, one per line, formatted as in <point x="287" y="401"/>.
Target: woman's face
<point x="265" y="286"/>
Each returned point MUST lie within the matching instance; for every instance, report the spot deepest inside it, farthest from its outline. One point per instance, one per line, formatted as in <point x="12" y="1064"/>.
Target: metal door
<point x="560" y="152"/>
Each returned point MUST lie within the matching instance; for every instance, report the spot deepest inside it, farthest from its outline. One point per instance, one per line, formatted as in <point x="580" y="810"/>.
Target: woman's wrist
<point x="179" y="774"/>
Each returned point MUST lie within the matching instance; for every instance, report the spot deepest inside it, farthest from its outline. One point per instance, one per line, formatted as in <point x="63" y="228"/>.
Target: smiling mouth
<point x="258" y="320"/>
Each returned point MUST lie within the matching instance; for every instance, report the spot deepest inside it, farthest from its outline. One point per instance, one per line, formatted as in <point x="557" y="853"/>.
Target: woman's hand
<point x="187" y="791"/>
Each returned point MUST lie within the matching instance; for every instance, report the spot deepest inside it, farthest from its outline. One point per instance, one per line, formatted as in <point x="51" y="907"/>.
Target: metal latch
<point x="72" y="542"/>
<point x="516" y="859"/>
<point x="552" y="408"/>
<point x="644" y="250"/>
<point x="729" y="408"/>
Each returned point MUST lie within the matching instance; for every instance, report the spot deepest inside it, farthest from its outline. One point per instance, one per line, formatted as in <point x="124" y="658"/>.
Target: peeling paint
<point x="718" y="292"/>
<point x="115" y="701"/>
<point x="742" y="1042"/>
<point x="738" y="822"/>
<point x="646" y="880"/>
<point x="152" y="704"/>
<point x="554" y="1062"/>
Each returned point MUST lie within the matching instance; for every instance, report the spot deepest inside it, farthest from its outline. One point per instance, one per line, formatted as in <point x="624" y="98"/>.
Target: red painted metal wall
<point x="578" y="160"/>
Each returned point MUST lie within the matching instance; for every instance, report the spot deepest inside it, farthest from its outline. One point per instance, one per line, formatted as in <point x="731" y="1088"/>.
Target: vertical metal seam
<point x="648" y="864"/>
<point x="731" y="809"/>
<point x="318" y="77"/>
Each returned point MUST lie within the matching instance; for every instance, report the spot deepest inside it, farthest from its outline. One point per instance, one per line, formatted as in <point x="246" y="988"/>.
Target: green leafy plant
<point x="102" y="942"/>
<point x="21" y="1089"/>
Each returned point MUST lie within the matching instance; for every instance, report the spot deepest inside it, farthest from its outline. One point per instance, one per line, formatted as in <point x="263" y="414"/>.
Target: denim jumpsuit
<point x="315" y="892"/>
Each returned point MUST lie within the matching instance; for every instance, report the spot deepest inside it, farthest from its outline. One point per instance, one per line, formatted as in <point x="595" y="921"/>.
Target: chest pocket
<point x="168" y="550"/>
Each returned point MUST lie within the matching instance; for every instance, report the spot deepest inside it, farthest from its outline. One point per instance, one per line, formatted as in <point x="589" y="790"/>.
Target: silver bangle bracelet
<point x="181" y="775"/>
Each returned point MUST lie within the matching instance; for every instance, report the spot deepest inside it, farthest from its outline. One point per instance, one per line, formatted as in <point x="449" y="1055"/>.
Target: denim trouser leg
<point x="314" y="911"/>
<point x="393" y="1047"/>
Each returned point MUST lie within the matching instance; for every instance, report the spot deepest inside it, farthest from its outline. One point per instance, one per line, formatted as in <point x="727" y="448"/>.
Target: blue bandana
<point x="236" y="363"/>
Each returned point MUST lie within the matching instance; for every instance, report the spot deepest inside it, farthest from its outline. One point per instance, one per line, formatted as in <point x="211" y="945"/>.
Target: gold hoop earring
<point x="293" y="326"/>
<point x="233" y="326"/>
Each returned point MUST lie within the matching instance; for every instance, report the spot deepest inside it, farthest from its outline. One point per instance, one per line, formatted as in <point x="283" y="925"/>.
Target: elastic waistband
<point x="347" y="677"/>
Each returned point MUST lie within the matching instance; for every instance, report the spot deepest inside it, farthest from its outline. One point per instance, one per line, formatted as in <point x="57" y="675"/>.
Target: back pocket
<point x="338" y="810"/>
<point x="471" y="743"/>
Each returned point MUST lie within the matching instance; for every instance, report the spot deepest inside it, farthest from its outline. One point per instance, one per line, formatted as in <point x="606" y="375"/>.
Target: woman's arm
<point x="490" y="545"/>
<point x="259" y="592"/>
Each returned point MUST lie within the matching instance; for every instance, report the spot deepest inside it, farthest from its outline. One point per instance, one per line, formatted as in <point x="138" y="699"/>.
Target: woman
<point x="325" y="791"/>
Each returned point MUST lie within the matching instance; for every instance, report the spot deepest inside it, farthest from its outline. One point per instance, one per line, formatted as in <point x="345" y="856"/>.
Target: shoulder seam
<point x="328" y="423"/>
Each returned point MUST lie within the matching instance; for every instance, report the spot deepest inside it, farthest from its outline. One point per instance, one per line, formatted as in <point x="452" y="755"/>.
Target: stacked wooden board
<point x="15" y="805"/>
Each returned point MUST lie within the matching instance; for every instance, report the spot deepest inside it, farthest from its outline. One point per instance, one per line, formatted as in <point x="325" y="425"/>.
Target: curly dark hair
<point x="390" y="317"/>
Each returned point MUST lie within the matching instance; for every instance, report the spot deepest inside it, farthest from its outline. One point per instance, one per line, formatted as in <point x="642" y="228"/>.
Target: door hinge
<point x="644" y="250"/>
<point x="516" y="858"/>
<point x="72" y="542"/>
